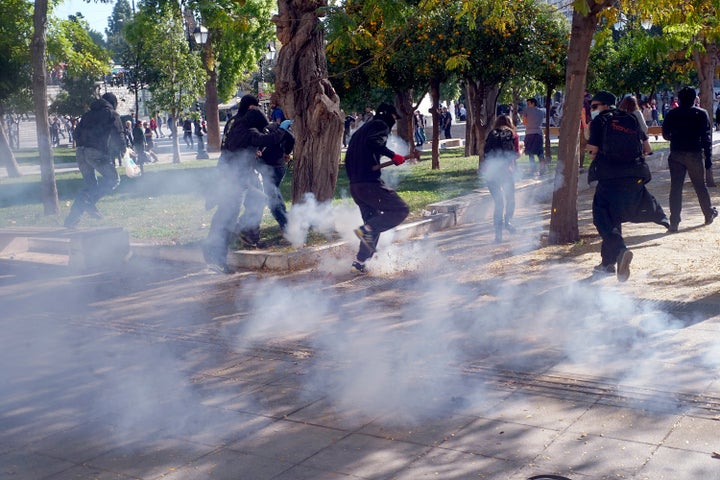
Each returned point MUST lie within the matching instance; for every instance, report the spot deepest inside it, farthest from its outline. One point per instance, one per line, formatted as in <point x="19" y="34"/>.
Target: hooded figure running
<point x="380" y="206"/>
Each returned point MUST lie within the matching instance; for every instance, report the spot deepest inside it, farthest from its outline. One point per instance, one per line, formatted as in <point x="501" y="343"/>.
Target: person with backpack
<point x="689" y="131"/>
<point x="502" y="149"/>
<point x="617" y="146"/>
<point x="100" y="138"/>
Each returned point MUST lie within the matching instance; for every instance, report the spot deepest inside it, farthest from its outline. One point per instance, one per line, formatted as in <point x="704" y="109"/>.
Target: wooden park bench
<point x="82" y="249"/>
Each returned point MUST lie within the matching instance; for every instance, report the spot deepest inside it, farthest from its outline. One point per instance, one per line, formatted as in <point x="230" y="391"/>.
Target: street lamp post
<point x="200" y="35"/>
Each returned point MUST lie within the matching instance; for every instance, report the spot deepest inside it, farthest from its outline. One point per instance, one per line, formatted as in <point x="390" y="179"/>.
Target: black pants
<point x="618" y="201"/>
<point x="690" y="163"/>
<point x="381" y="209"/>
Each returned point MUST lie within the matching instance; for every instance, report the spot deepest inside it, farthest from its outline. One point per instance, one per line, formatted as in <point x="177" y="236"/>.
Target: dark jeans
<point x="618" y="201"/>
<point x="381" y="209"/>
<point x="89" y="161"/>
<point x="237" y="186"/>
<point x="272" y="178"/>
<point x="691" y="163"/>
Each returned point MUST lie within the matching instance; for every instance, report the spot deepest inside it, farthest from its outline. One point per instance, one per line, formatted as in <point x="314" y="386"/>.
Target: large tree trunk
<point x="481" y="113"/>
<point x="705" y="63"/>
<point x="435" y="113"/>
<point x="564" y="214"/>
<point x="6" y="154"/>
<point x="211" y="99"/>
<point x="307" y="96"/>
<point x="47" y="168"/>
<point x="174" y="131"/>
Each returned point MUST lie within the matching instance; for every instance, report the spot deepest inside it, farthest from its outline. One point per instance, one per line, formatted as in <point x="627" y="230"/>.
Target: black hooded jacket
<point x="366" y="147"/>
<point x="247" y="130"/>
<point x="101" y="129"/>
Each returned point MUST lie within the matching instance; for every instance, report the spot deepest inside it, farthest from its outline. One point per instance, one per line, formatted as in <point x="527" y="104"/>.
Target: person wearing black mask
<point x="380" y="206"/>
<point x="238" y="184"/>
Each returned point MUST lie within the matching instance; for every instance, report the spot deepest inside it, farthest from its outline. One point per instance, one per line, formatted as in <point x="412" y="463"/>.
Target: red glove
<point x="398" y="159"/>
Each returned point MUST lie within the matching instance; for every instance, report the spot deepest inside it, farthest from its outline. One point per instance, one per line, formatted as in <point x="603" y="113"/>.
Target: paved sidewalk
<point x="457" y="359"/>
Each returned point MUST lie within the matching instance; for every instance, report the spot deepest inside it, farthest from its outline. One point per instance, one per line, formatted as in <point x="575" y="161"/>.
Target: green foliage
<point x="71" y="45"/>
<point x="15" y="35"/>
<point x="121" y="16"/>
<point x="164" y="61"/>
<point x="239" y="34"/>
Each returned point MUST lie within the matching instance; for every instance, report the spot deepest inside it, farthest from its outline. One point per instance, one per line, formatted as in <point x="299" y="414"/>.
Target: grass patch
<point x="167" y="204"/>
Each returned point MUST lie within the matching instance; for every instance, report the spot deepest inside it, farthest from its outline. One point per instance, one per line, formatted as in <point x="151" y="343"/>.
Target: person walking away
<point x="617" y="146"/>
<point x="533" y="118"/>
<point x="138" y="134"/>
<point x="237" y="183"/>
<point x="629" y="105"/>
<point x="154" y="127"/>
<point x="502" y="149"/>
<point x="380" y="206"/>
<point x="187" y="133"/>
<point x="689" y="131"/>
<point x="149" y="144"/>
<point x="99" y="137"/>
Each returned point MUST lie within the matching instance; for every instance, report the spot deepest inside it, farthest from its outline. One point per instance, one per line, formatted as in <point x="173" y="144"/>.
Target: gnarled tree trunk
<point x="405" y="130"/>
<point x="705" y="63"/>
<point x="435" y="112"/>
<point x="307" y="97"/>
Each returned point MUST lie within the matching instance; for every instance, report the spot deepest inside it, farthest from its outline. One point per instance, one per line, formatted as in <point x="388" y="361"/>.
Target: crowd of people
<point x="255" y="150"/>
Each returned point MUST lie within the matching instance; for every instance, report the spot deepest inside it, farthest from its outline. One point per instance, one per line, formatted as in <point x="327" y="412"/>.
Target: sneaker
<point x="359" y="268"/>
<point x="608" y="269"/>
<point x="713" y="214"/>
<point x="250" y="241"/>
<point x="665" y="223"/>
<point x="510" y="227"/>
<point x="367" y="238"/>
<point x="673" y="228"/>
<point x="623" y="264"/>
<point x="219" y="268"/>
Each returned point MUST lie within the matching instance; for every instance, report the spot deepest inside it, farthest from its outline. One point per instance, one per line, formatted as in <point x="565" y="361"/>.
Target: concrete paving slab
<point x="503" y="440"/>
<point x="591" y="456"/>
<point x="151" y="459"/>
<point x="672" y="464"/>
<point x="229" y="465"/>
<point x="82" y="472"/>
<point x="453" y="465"/>
<point x="625" y="424"/>
<point x="429" y="432"/>
<point x="288" y="441"/>
<point x="24" y="464"/>
<point x="691" y="433"/>
<point x="365" y="456"/>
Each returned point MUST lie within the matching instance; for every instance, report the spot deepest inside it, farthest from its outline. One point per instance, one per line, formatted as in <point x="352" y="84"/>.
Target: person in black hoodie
<point x="689" y="131"/>
<point x="238" y="184"/>
<point x="272" y="168"/>
<point x="380" y="206"/>
<point x="100" y="138"/>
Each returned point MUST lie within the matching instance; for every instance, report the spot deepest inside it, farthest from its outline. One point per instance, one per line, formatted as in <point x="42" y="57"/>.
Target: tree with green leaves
<point x="15" y="33"/>
<point x="238" y="37"/>
<point x="85" y="63"/>
<point x="173" y="73"/>
<point x="121" y="16"/>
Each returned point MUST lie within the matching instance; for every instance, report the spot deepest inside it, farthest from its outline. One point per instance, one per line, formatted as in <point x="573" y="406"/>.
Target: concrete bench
<point x="451" y="143"/>
<point x="82" y="249"/>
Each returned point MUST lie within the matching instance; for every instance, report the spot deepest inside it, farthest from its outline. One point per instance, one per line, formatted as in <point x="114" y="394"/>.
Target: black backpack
<point x="621" y="138"/>
<point x="500" y="139"/>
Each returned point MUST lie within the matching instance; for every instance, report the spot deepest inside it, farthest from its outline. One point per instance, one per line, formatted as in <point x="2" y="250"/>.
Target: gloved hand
<point x="398" y="159"/>
<point x="285" y="124"/>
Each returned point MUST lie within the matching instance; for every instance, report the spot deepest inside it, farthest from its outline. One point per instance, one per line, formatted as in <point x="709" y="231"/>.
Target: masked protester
<point x="380" y="206"/>
<point x="100" y="138"/>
